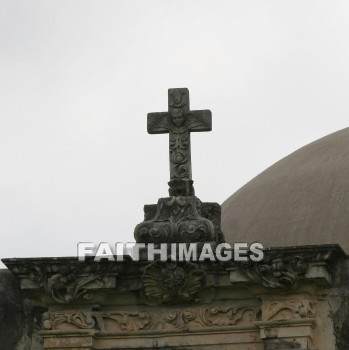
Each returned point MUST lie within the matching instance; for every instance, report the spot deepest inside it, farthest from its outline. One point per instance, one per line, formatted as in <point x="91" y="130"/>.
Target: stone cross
<point x="179" y="121"/>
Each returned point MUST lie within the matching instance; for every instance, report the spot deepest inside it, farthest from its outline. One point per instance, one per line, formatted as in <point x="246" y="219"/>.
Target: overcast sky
<point x="77" y="79"/>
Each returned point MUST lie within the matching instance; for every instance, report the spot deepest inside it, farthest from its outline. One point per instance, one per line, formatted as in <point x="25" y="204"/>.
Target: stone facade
<point x="294" y="299"/>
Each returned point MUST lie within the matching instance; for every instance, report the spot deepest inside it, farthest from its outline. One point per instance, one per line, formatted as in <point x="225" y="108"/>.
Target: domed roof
<point x="302" y="199"/>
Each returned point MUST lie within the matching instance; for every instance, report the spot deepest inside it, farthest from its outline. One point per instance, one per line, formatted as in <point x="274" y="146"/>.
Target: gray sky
<point x="77" y="79"/>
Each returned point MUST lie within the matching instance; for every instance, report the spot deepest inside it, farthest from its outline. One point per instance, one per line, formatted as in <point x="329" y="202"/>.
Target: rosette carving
<point x="179" y="157"/>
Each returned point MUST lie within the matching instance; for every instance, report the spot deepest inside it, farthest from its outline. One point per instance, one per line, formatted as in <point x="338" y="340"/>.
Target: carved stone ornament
<point x="177" y="219"/>
<point x="155" y="319"/>
<point x="172" y="282"/>
<point x="130" y="321"/>
<point x="80" y="319"/>
<point x="73" y="283"/>
<point x="276" y="310"/>
<point x="276" y="272"/>
<point x="229" y="316"/>
<point x="178" y="122"/>
<point x="210" y="317"/>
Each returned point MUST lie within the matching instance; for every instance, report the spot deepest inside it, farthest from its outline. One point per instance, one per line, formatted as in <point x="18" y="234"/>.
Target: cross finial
<point x="179" y="121"/>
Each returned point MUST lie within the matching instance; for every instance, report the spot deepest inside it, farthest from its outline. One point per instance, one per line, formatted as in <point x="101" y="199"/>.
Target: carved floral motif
<point x="228" y="316"/>
<point x="181" y="319"/>
<point x="170" y="281"/>
<point x="138" y="321"/>
<point x="81" y="319"/>
<point x="288" y="309"/>
<point x="72" y="283"/>
<point x="130" y="321"/>
<point x="276" y="272"/>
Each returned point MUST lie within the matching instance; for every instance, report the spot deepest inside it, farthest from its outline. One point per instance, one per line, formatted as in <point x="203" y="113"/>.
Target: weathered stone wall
<point x="339" y="303"/>
<point x="19" y="322"/>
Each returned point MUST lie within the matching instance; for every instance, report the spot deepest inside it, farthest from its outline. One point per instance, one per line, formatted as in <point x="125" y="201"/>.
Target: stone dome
<point x="303" y="199"/>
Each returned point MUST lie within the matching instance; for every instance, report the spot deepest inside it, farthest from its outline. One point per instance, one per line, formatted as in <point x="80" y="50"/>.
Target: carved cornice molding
<point x="69" y="281"/>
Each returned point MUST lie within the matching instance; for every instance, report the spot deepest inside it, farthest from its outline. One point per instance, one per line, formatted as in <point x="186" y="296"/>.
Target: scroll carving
<point x="230" y="316"/>
<point x="130" y="321"/>
<point x="288" y="309"/>
<point x="72" y="283"/>
<point x="179" y="219"/>
<point x="80" y="319"/>
<point x="276" y="272"/>
<point x="140" y="321"/>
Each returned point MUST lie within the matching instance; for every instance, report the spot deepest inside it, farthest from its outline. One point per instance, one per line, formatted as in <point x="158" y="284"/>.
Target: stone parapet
<point x="282" y="302"/>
